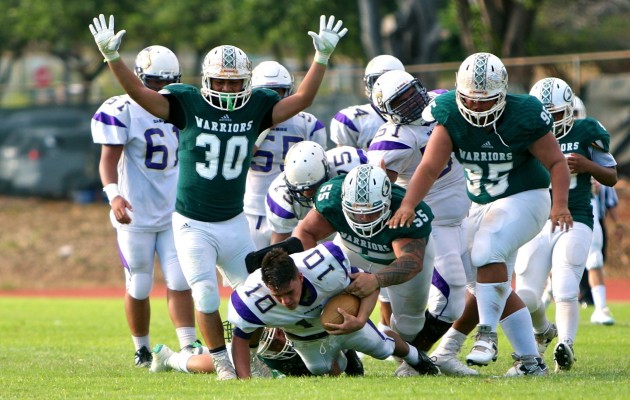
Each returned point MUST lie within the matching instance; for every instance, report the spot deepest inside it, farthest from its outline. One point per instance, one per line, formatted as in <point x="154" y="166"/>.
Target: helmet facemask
<point x="400" y="97"/>
<point x="366" y="200"/>
<point x="226" y="62"/>
<point x="275" y="346"/>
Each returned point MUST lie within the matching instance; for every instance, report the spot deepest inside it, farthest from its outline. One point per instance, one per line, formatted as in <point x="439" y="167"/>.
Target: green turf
<point x="81" y="349"/>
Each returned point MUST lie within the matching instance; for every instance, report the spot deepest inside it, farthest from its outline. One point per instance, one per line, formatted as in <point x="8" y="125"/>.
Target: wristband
<point x="321" y="59"/>
<point x="111" y="190"/>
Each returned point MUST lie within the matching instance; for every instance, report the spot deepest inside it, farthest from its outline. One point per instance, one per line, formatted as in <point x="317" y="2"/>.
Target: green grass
<point x="80" y="348"/>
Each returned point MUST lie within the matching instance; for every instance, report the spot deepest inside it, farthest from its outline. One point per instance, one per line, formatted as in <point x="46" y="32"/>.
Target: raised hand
<point x="107" y="42"/>
<point x="327" y="39"/>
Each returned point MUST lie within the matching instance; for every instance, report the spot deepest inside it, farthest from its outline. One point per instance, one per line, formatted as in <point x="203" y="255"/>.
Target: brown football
<point x="348" y="302"/>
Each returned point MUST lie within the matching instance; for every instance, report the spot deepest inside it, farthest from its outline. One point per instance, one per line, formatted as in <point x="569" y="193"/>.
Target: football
<point x="348" y="302"/>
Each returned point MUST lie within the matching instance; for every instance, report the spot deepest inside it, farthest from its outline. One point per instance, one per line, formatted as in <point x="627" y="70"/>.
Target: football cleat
<point x="485" y="348"/>
<point x="161" y="354"/>
<point x="223" y="365"/>
<point x="355" y="365"/>
<point x="543" y="339"/>
<point x="405" y="370"/>
<point x="426" y="365"/>
<point x="194" y="348"/>
<point x="527" y="365"/>
<point x="258" y="368"/>
<point x="143" y="357"/>
<point x="563" y="356"/>
<point x="450" y="365"/>
<point x="602" y="316"/>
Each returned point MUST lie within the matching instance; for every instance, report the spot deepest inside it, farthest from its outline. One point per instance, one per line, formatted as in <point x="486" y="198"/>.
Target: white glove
<point x="327" y="39"/>
<point x="107" y="42"/>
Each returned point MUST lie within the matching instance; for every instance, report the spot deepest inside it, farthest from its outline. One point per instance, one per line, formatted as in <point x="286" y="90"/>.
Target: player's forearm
<point x="560" y="179"/>
<point x="367" y="306"/>
<point x="400" y="271"/>
<point x="240" y="357"/>
<point x="604" y="175"/>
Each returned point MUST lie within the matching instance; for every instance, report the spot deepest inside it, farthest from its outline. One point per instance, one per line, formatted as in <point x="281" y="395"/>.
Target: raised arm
<point x="325" y="43"/>
<point x="108" y="43"/>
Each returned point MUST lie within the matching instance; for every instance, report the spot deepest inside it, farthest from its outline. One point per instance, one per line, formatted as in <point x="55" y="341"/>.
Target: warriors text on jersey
<point x="584" y="134"/>
<point x="355" y="126"/>
<point x="378" y="248"/>
<point x="496" y="159"/>
<point x="147" y="169"/>
<point x="268" y="161"/>
<point x="215" y="150"/>
<point x="326" y="273"/>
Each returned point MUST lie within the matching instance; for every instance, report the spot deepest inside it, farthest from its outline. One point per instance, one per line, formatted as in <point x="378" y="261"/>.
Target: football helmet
<point x="274" y="345"/>
<point x="158" y="63"/>
<point x="366" y="199"/>
<point x="399" y="97"/>
<point x="557" y="98"/>
<point x="481" y="77"/>
<point x="579" y="109"/>
<point x="226" y="62"/>
<point x="272" y="75"/>
<point x="376" y="67"/>
<point x="305" y="168"/>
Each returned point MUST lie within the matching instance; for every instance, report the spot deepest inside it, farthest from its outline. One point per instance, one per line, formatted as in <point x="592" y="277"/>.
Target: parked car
<point x="49" y="152"/>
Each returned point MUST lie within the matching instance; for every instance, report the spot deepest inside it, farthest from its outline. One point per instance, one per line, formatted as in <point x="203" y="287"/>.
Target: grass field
<point x="81" y="349"/>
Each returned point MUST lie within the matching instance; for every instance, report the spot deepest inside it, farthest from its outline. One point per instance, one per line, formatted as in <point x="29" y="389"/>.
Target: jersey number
<point x="156" y="156"/>
<point x="263" y="159"/>
<point x="494" y="181"/>
<point x="232" y="165"/>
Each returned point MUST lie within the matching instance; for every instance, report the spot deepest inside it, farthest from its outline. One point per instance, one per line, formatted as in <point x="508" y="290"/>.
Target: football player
<point x="306" y="167"/>
<point x="218" y="126"/>
<point x="268" y="160"/>
<point x="357" y="206"/>
<point x="355" y="126"/>
<point x="138" y="170"/>
<point x="508" y="151"/>
<point x="399" y="144"/>
<point x="585" y="144"/>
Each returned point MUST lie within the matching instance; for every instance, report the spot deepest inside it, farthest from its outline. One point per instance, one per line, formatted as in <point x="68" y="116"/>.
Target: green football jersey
<point x="584" y="134"/>
<point x="215" y="151"/>
<point x="497" y="163"/>
<point x="377" y="249"/>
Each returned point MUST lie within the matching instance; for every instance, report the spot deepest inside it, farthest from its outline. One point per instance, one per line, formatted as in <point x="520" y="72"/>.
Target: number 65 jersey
<point x="326" y="272"/>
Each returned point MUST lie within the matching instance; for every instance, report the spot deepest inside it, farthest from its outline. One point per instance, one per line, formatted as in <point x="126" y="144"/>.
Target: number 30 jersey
<point x="496" y="159"/>
<point x="215" y="150"/>
<point x="147" y="169"/>
<point x="325" y="269"/>
<point x="377" y="249"/>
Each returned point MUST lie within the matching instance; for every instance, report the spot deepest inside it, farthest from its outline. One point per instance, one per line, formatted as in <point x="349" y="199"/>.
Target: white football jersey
<point x="283" y="212"/>
<point x="401" y="147"/>
<point x="355" y="126"/>
<point x="268" y="161"/>
<point x="148" y="166"/>
<point x="326" y="272"/>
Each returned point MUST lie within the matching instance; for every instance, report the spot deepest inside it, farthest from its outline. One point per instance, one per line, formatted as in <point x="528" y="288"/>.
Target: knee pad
<point x="139" y="285"/>
<point x="529" y="297"/>
<point x="206" y="296"/>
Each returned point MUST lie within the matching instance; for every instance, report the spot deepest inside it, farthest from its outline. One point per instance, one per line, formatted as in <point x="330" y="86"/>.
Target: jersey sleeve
<point x="343" y="131"/>
<point x="394" y="145"/>
<point x="315" y="129"/>
<point x="279" y="209"/>
<point x="111" y="122"/>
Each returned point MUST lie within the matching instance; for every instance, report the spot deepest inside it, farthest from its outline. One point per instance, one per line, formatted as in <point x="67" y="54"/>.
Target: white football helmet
<point x="366" y="199"/>
<point x="377" y="67"/>
<point x="158" y="63"/>
<point x="579" y="109"/>
<point x="557" y="97"/>
<point x="226" y="62"/>
<point x="274" y="345"/>
<point x="272" y="75"/>
<point x="399" y="97"/>
<point x="305" y="168"/>
<point x="481" y="77"/>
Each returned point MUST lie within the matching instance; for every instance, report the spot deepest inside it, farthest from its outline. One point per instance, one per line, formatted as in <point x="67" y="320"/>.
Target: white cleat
<point x="543" y="339"/>
<point x="527" y="366"/>
<point x="161" y="355"/>
<point x="223" y="365"/>
<point x="405" y="370"/>
<point x="450" y="365"/>
<point x="485" y="348"/>
<point x="563" y="356"/>
<point x="602" y="316"/>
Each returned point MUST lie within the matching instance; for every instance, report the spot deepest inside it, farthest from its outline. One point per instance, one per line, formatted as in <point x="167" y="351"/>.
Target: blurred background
<point x="52" y="77"/>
